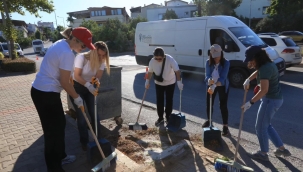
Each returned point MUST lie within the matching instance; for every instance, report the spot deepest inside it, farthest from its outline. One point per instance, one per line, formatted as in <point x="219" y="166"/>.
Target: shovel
<point x="136" y="125"/>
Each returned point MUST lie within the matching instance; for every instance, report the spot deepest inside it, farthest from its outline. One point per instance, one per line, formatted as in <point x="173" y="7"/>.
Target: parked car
<point x="267" y="33"/>
<point x="43" y="51"/>
<point x="295" y="35"/>
<point x="286" y="48"/>
<point x="5" y="52"/>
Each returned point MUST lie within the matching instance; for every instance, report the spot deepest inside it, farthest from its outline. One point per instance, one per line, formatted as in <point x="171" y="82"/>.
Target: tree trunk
<point x="11" y="41"/>
<point x="199" y="9"/>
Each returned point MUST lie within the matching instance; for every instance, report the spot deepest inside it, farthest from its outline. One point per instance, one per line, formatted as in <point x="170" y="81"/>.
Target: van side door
<point x="189" y="44"/>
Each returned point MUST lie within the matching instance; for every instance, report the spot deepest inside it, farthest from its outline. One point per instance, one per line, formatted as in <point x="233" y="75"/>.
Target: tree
<point x="20" y="6"/>
<point x="47" y="32"/>
<point x="201" y="5"/>
<point x="284" y="7"/>
<point x="222" y="7"/>
<point x="70" y="19"/>
<point x="132" y="27"/>
<point x="169" y="14"/>
<point x="38" y="34"/>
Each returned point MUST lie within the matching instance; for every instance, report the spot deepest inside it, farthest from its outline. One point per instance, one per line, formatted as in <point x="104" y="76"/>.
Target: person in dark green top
<point x="270" y="94"/>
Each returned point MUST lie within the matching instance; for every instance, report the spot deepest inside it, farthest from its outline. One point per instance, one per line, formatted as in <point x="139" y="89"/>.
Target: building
<point x="99" y="15"/>
<point x="32" y="28"/>
<point x="254" y="9"/>
<point x="155" y="12"/>
<point x="20" y="25"/>
<point x="42" y="25"/>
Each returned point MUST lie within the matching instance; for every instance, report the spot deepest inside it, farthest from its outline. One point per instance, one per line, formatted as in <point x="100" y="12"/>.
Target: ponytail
<point x="67" y="33"/>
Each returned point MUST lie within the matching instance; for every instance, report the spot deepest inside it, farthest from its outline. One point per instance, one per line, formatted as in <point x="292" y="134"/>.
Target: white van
<point x="37" y="45"/>
<point x="188" y="40"/>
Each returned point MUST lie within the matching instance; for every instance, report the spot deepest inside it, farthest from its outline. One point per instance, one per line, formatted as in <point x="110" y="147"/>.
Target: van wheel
<point x="237" y="76"/>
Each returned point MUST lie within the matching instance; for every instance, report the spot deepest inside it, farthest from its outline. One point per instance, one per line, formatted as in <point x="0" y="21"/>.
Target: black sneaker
<point x="225" y="131"/>
<point x="206" y="124"/>
<point x="159" y="121"/>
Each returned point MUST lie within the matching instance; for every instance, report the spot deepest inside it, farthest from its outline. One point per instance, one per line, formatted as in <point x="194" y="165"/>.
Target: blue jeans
<point x="264" y="129"/>
<point x="88" y="98"/>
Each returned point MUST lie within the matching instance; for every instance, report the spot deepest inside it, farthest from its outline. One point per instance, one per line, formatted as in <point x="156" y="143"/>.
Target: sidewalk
<point x="21" y="135"/>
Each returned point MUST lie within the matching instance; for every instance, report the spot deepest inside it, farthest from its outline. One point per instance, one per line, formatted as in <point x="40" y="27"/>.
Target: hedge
<point x="18" y="65"/>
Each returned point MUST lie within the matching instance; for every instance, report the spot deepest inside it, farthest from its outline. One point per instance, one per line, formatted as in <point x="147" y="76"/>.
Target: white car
<point x="37" y="45"/>
<point x="43" y="51"/>
<point x="5" y="52"/>
<point x="286" y="48"/>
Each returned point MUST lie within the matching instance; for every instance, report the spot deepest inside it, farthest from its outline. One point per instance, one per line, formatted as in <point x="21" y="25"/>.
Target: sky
<point x="62" y="7"/>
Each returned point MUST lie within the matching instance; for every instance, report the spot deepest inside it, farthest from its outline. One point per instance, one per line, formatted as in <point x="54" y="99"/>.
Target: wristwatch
<point x="251" y="102"/>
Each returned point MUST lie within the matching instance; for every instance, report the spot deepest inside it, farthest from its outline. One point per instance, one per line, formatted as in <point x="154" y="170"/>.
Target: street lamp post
<point x="250" y="12"/>
<point x="63" y="20"/>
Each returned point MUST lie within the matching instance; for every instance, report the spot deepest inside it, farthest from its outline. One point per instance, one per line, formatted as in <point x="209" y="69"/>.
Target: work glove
<point x="246" y="84"/>
<point x="79" y="102"/>
<point x="147" y="83"/>
<point x="246" y="106"/>
<point x="210" y="81"/>
<point x="211" y="89"/>
<point x="95" y="81"/>
<point x="180" y="85"/>
<point x="91" y="88"/>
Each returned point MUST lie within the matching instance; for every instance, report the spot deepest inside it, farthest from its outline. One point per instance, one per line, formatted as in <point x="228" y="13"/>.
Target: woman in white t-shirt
<point x="52" y="78"/>
<point x="165" y="84"/>
<point x="216" y="78"/>
<point x="88" y="66"/>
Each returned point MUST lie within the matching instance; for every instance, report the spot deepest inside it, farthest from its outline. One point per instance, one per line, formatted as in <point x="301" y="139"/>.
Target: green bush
<point x="19" y="65"/>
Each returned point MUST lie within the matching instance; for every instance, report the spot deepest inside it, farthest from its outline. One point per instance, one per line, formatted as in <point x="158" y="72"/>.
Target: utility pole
<point x="63" y="20"/>
<point x="249" y="13"/>
<point x="56" y="18"/>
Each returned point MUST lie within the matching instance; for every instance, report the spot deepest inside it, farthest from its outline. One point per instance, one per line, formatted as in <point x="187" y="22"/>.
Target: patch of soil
<point x="214" y="145"/>
<point x="149" y="131"/>
<point x="132" y="149"/>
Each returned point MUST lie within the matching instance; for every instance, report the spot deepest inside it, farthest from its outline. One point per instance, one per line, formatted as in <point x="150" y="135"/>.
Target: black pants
<point x="88" y="98"/>
<point x="50" y="110"/>
<point x="168" y="91"/>
<point x="223" y="97"/>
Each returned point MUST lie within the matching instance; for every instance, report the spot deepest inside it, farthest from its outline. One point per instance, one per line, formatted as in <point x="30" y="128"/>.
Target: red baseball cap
<point x="85" y="36"/>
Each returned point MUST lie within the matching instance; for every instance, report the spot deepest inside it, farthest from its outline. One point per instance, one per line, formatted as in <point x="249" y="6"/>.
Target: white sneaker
<point x="68" y="159"/>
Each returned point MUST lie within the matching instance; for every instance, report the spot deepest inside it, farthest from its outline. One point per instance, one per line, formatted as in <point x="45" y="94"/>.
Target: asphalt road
<point x="288" y="120"/>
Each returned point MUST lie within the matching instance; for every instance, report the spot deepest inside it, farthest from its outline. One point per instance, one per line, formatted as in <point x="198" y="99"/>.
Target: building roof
<point x="74" y="13"/>
<point x="17" y="23"/>
<point x="135" y="9"/>
<point x="174" y="0"/>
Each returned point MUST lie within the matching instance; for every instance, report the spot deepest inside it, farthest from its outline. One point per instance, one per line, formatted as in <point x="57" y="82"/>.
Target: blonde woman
<point x="51" y="79"/>
<point x="87" y="66"/>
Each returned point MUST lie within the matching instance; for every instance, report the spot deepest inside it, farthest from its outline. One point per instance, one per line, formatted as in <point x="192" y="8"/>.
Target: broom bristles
<point x="231" y="166"/>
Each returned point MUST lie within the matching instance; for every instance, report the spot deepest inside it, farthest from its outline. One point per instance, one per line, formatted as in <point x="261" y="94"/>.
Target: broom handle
<point x="240" y="127"/>
<point x="94" y="136"/>
<point x="180" y="99"/>
<point x="141" y="104"/>
<point x="95" y="102"/>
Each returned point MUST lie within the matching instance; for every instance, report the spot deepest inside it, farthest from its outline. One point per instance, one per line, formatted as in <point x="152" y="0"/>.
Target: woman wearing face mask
<point x="54" y="76"/>
<point x="87" y="66"/>
<point x="271" y="97"/>
<point x="165" y="84"/>
<point x="216" y="73"/>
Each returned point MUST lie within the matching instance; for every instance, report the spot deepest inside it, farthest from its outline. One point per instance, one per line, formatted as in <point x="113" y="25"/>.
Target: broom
<point x="105" y="163"/>
<point x="233" y="165"/>
<point x="138" y="126"/>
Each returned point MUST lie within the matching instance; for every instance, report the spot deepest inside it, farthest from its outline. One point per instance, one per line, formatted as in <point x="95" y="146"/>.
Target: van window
<point x="246" y="36"/>
<point x="37" y="43"/>
<point x="17" y="47"/>
<point x="289" y="42"/>
<point x="220" y="37"/>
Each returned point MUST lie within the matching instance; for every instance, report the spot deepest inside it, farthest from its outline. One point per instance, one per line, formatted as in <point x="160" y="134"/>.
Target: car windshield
<point x="17" y="47"/>
<point x="246" y="36"/>
<point x="37" y="43"/>
<point x="289" y="42"/>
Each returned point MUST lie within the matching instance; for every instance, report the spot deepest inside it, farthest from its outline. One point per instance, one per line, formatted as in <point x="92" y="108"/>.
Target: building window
<point x="92" y="13"/>
<point x="114" y="12"/>
<point x="264" y="10"/>
<point x="103" y="12"/>
<point x="119" y="11"/>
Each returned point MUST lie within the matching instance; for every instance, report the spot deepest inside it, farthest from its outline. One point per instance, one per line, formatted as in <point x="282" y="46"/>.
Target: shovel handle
<point x="240" y="127"/>
<point x="141" y="104"/>
<point x="94" y="135"/>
